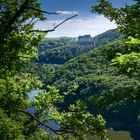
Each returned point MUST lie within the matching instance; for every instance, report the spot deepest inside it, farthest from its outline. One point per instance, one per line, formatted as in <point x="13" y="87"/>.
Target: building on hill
<point x="85" y="39"/>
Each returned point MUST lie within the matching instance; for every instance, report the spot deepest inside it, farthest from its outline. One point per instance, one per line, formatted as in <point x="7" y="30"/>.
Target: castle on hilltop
<point x="85" y="39"/>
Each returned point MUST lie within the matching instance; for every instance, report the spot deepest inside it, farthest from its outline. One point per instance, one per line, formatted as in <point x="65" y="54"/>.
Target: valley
<point x="85" y="71"/>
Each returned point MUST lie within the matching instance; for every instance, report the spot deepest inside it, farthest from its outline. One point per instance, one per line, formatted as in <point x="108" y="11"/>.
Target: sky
<point x="85" y="23"/>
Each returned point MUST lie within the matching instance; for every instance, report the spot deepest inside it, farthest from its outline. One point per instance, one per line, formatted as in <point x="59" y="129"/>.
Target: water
<point x="111" y="134"/>
<point x="51" y="124"/>
<point x="114" y="135"/>
<point x="33" y="93"/>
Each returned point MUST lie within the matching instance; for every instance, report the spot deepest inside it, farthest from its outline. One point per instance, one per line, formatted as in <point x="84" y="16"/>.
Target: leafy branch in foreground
<point x="20" y="117"/>
<point x="127" y="19"/>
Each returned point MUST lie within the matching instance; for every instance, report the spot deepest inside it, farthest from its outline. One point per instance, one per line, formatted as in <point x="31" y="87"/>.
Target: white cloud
<point x="90" y="25"/>
<point x="67" y="12"/>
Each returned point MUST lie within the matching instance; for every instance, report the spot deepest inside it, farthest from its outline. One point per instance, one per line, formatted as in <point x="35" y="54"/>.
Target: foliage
<point x="78" y="122"/>
<point x="53" y="52"/>
<point x="129" y="63"/>
<point x="127" y="18"/>
<point x="60" y="50"/>
<point x="100" y="85"/>
<point x="20" y="117"/>
<point x="42" y="72"/>
<point x="108" y="36"/>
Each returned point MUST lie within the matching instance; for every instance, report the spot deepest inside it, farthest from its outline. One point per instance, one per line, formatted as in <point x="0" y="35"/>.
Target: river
<point x="111" y="134"/>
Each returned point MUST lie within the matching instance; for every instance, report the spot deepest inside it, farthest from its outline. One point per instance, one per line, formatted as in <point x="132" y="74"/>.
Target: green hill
<point x="87" y="73"/>
<point x="60" y="50"/>
<point x="97" y="80"/>
<point x="108" y="36"/>
<point x="54" y="52"/>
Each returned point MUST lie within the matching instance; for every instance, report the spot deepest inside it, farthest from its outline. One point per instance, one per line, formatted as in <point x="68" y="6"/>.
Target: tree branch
<point x="11" y="21"/>
<point x="32" y="20"/>
<point x="43" y="11"/>
<point x="36" y="119"/>
<point x="17" y="14"/>
<point x="58" y="132"/>
<point x="51" y="30"/>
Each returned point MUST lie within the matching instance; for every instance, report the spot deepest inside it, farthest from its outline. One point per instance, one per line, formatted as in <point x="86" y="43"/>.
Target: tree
<point x="128" y="20"/>
<point x="18" y="41"/>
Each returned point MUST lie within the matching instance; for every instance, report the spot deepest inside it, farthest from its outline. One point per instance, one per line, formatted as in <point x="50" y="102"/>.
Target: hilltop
<point x="97" y="80"/>
<point x="60" y="50"/>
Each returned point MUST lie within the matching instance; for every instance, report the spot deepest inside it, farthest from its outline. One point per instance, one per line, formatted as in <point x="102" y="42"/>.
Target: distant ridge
<point x="110" y="35"/>
<point x="60" y="50"/>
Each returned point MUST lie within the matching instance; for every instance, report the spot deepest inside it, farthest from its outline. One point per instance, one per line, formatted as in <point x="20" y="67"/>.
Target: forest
<point x="85" y="89"/>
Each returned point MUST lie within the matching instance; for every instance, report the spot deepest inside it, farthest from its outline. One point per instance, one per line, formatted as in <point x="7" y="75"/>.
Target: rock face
<point x="85" y="39"/>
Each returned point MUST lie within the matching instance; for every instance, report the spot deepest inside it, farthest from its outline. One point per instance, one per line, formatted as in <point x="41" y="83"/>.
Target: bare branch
<point x="51" y="30"/>
<point x="43" y="11"/>
<point x="32" y="20"/>
<point x="35" y="21"/>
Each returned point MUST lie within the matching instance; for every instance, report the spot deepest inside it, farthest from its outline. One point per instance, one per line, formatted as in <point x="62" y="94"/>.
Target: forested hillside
<point x="18" y="42"/>
<point x="53" y="52"/>
<point x="84" y="89"/>
<point x="107" y="36"/>
<point x="95" y="81"/>
<point x="60" y="50"/>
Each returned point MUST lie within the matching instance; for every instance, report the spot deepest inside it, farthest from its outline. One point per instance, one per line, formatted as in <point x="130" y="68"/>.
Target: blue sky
<point x="84" y="23"/>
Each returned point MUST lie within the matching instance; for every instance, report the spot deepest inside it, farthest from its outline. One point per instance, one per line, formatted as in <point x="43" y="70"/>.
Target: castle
<point x="85" y="39"/>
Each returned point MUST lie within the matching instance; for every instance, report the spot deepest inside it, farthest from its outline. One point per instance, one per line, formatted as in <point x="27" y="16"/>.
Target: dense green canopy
<point x="82" y="84"/>
<point x="18" y="42"/>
